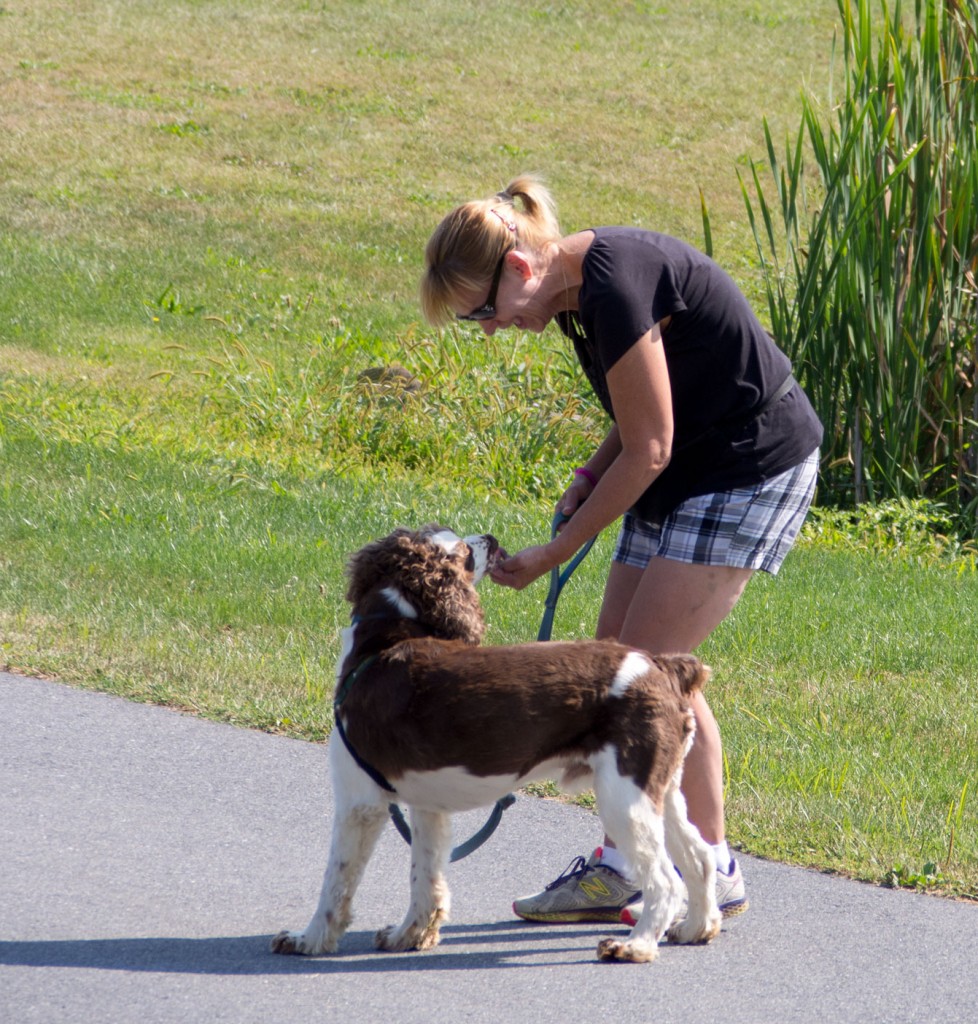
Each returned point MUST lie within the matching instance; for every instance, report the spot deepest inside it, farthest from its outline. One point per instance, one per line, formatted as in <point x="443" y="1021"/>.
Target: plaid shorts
<point x="749" y="527"/>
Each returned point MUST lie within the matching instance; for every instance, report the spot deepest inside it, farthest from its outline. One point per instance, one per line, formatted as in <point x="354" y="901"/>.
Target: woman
<point x="711" y="457"/>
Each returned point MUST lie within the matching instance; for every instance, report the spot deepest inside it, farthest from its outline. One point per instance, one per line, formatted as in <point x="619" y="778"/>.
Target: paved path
<point x="146" y="858"/>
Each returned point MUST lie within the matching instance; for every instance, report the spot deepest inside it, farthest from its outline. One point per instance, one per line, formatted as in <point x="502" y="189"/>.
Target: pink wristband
<point x="587" y="474"/>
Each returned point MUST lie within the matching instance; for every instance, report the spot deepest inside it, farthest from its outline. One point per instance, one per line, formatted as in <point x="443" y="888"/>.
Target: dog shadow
<point x="525" y="946"/>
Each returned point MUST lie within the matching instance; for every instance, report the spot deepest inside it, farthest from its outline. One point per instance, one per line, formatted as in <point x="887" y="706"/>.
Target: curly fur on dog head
<point x="434" y="582"/>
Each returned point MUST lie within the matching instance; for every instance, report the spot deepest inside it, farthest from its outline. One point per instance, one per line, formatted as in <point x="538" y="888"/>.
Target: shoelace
<point x="577" y="868"/>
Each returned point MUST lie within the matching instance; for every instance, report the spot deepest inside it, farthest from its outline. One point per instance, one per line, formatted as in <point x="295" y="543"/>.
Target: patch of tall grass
<point x="870" y="264"/>
<point x="479" y="417"/>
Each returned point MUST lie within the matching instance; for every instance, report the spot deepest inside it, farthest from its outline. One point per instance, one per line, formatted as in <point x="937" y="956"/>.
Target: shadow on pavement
<point x="250" y="955"/>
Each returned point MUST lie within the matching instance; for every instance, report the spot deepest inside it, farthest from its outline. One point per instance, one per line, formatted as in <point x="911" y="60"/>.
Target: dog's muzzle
<point x="484" y="552"/>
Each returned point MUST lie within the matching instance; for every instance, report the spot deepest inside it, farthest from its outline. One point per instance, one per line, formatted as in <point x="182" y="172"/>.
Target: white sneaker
<point x="586" y="891"/>
<point x="731" y="897"/>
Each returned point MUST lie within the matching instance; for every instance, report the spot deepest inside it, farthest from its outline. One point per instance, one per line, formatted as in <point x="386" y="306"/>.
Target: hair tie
<point x="510" y="225"/>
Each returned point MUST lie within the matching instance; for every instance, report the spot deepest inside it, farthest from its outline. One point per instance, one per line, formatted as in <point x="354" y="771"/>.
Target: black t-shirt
<point x="723" y="366"/>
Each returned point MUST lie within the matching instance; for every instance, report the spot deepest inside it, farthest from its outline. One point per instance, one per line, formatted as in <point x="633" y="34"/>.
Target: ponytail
<point x="467" y="245"/>
<point x="537" y="222"/>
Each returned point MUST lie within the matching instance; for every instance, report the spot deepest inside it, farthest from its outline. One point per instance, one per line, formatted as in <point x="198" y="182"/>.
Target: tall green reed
<point x="870" y="265"/>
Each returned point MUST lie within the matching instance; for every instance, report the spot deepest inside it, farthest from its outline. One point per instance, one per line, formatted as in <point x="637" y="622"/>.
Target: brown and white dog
<point x="451" y="726"/>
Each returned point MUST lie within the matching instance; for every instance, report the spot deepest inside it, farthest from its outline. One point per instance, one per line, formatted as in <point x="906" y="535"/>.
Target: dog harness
<point x="345" y="686"/>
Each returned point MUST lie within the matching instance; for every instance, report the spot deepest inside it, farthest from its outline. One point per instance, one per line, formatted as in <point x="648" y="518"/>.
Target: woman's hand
<point x="521" y="569"/>
<point x="572" y="499"/>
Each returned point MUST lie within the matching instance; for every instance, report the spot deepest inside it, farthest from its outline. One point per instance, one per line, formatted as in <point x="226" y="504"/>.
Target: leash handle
<point x="558" y="579"/>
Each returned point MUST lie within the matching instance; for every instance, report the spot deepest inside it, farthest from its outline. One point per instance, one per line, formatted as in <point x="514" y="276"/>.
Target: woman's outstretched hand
<point x="521" y="569"/>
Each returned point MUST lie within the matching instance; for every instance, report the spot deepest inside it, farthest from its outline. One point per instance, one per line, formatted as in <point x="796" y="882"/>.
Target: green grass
<point x="846" y="695"/>
<point x="205" y="241"/>
<point x="309" y="149"/>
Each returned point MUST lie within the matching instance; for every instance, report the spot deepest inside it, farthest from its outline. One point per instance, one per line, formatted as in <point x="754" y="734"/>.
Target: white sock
<point x="611" y="858"/>
<point x="722" y="854"/>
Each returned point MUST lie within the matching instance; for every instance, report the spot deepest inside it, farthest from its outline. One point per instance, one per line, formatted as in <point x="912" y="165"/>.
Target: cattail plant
<point x="870" y="263"/>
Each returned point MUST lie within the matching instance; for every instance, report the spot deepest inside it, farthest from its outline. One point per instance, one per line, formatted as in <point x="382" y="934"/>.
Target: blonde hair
<point x="467" y="245"/>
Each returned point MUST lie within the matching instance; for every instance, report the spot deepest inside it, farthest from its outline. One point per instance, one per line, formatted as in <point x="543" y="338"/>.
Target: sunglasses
<point x="487" y="311"/>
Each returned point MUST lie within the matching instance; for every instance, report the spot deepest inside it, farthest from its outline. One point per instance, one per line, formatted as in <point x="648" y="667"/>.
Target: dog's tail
<point x="689" y="673"/>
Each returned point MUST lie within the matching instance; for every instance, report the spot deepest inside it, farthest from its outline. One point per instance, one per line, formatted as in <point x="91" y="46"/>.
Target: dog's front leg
<point x="694" y="859"/>
<point x="355" y="834"/>
<point x="361" y="813"/>
<point x="430" y="902"/>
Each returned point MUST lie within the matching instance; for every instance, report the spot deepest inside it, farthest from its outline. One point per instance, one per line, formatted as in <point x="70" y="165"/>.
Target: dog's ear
<point x="373" y="566"/>
<point x="451" y="607"/>
<point x="440" y="587"/>
<point x="686" y="670"/>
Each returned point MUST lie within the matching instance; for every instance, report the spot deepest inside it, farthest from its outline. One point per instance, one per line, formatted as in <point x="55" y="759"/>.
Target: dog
<point x="428" y="718"/>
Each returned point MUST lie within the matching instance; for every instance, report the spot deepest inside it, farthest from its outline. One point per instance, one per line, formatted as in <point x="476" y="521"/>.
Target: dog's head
<point x="428" y="575"/>
<point x="481" y="551"/>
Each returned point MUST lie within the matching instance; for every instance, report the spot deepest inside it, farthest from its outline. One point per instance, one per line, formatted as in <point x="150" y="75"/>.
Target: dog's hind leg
<point x="431" y="837"/>
<point x="631" y="820"/>
<point x="690" y="853"/>
<point x="361" y="813"/>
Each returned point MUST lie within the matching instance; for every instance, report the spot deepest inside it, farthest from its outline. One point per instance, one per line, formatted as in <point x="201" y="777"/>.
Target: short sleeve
<point x="627" y="292"/>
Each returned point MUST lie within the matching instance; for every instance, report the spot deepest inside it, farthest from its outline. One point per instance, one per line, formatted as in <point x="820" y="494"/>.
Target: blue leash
<point x="558" y="580"/>
<point x="473" y="842"/>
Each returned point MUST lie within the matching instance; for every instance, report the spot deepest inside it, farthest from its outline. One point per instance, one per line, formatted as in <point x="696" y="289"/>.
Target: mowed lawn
<point x="212" y="218"/>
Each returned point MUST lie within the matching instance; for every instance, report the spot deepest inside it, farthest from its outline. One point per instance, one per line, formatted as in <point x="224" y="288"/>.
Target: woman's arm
<point x="596" y="466"/>
<point x="634" y="454"/>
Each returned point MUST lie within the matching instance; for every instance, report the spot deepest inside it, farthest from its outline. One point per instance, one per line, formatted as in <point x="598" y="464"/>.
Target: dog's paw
<point x="626" y="952"/>
<point x="296" y="944"/>
<point x="689" y="932"/>
<point x="287" y="943"/>
<point x="399" y="940"/>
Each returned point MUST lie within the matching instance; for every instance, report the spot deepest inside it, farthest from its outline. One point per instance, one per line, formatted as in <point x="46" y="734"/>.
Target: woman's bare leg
<point x="671" y="608"/>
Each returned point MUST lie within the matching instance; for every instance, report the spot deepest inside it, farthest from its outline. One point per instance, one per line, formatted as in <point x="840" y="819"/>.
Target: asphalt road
<point x="147" y="857"/>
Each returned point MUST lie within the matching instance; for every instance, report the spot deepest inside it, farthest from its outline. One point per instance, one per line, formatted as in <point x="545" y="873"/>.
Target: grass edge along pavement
<point x="839" y="706"/>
